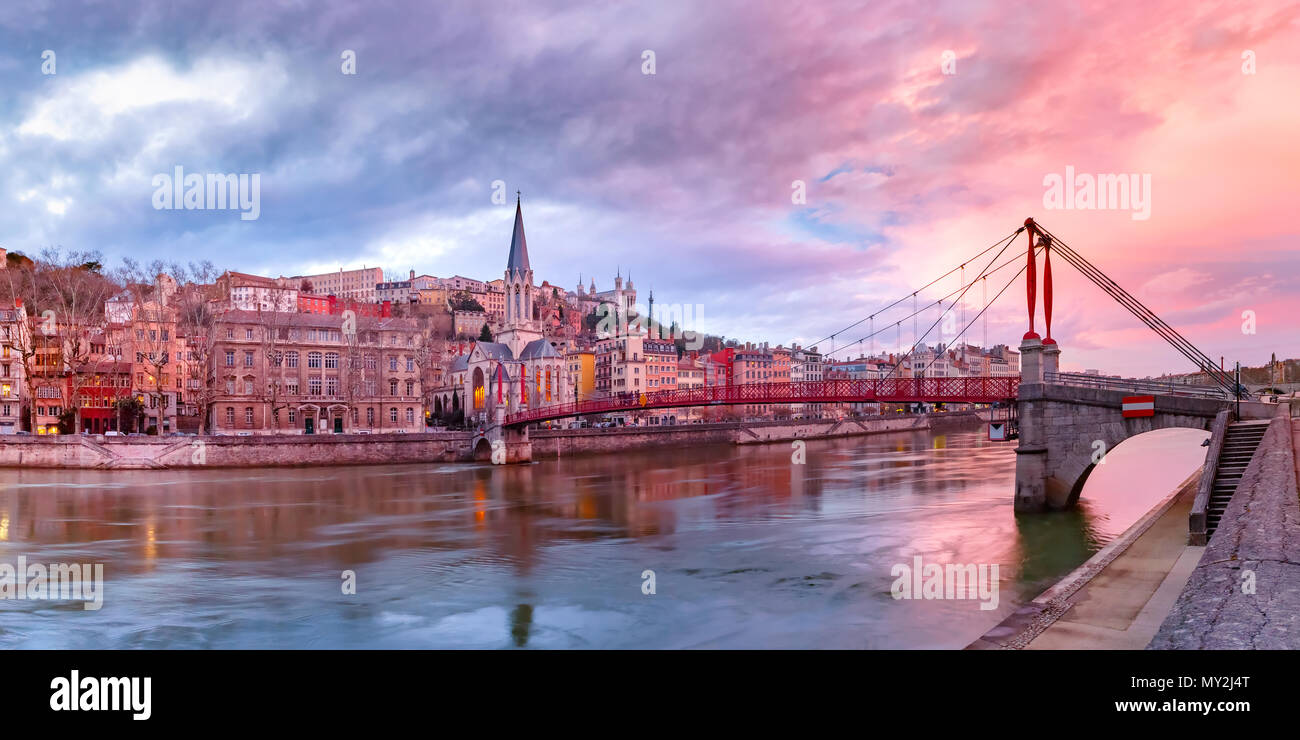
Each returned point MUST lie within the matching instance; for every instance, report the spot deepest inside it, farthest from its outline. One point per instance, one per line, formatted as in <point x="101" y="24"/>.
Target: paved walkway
<point x="1122" y="607"/>
<point x="1245" y="592"/>
<point x="1118" y="599"/>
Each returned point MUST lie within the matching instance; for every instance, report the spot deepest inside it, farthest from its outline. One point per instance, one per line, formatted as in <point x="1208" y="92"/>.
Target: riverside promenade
<point x="1244" y="593"/>
<point x="1150" y="588"/>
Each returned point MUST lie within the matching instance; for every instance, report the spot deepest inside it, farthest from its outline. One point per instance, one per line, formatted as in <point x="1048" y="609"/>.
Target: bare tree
<point x="153" y="328"/>
<point x="76" y="292"/>
<point x="276" y="333"/>
<point x="196" y="319"/>
<point x="22" y="287"/>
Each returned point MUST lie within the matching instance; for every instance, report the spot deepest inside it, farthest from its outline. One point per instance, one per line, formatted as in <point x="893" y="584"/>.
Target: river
<point x="748" y="548"/>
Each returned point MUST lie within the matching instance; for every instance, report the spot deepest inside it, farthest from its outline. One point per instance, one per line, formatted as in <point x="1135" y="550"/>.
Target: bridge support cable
<point x="926" y="307"/>
<point x="986" y="308"/>
<point x="982" y="252"/>
<point x="1148" y="317"/>
<point x="982" y="272"/>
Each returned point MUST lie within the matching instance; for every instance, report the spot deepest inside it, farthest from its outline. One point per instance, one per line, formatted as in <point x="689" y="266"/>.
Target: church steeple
<point x="518" y="261"/>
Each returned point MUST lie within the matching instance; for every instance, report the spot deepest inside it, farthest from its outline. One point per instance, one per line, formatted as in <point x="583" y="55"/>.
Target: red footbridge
<point x="865" y="390"/>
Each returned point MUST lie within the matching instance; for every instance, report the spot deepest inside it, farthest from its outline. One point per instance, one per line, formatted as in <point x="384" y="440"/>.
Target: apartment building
<point x="620" y="365"/>
<point x="304" y="374"/>
<point x="13" y="338"/>
<point x="355" y="284"/>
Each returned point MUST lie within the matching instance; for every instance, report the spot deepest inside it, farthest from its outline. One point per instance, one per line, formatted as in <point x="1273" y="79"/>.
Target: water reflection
<point x="749" y="549"/>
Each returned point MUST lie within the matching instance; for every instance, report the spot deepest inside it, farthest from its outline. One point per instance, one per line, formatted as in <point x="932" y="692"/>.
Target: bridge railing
<point x="850" y="390"/>
<point x="1145" y="387"/>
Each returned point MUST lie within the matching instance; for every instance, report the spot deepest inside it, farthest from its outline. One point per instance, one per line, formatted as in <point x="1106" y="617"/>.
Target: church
<point x="520" y="370"/>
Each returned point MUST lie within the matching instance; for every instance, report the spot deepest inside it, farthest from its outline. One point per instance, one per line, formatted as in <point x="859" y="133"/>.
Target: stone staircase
<point x="1239" y="444"/>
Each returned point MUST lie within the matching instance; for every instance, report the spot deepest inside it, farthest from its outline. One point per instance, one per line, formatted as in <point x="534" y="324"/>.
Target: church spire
<point x="518" y="262"/>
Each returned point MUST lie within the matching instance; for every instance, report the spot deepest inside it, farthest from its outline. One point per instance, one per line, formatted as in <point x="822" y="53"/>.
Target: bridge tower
<point x="1038" y="355"/>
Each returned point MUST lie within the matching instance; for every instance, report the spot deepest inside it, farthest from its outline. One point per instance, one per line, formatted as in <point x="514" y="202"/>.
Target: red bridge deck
<point x="886" y="390"/>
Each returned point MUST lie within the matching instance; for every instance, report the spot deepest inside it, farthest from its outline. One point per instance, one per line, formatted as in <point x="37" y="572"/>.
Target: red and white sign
<point x="1139" y="406"/>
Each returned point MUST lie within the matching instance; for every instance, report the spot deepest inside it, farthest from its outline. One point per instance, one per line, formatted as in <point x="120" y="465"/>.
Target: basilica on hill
<point x="522" y="369"/>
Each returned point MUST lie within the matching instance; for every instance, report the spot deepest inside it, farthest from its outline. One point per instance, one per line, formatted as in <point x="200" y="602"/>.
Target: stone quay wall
<point x="99" y="452"/>
<point x="565" y="442"/>
<point x="1245" y="592"/>
<point x="92" y="451"/>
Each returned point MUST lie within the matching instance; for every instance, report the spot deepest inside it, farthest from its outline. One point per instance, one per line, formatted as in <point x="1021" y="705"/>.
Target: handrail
<point x="1197" y="525"/>
<point x="1156" y="387"/>
<point x="855" y="390"/>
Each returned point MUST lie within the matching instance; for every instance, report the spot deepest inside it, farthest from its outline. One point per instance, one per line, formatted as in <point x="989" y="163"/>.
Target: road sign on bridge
<point x="1135" y="406"/>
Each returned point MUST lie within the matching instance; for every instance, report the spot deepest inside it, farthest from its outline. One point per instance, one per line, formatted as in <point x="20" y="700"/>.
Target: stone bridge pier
<point x="501" y="444"/>
<point x="1066" y="430"/>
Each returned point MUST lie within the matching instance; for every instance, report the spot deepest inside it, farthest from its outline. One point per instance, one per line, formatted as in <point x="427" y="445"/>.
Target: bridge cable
<point x="931" y="305"/>
<point x="982" y="310"/>
<point x="923" y="287"/>
<point x="1144" y="314"/>
<point x="936" y="321"/>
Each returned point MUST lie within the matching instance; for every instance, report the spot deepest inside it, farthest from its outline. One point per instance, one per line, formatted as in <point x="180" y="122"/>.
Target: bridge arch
<point x="1127" y="445"/>
<point x="482" y="450"/>
<point x="1061" y="426"/>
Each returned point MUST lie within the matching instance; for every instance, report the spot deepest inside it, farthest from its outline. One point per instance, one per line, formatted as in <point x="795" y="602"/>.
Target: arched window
<point x="548" y="385"/>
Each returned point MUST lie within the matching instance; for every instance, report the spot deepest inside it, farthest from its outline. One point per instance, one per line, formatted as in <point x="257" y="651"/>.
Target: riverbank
<point x="1118" y="598"/>
<point x="1245" y="591"/>
<point x="164" y="453"/>
<point x="567" y="442"/>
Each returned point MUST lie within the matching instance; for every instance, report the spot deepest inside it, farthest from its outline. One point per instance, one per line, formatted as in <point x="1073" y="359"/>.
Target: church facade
<point x="522" y="369"/>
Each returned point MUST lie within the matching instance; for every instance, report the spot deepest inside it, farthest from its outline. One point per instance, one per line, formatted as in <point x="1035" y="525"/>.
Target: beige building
<point x="13" y="338"/>
<point x="355" y="284"/>
<point x="620" y="365"/>
<point x="311" y="374"/>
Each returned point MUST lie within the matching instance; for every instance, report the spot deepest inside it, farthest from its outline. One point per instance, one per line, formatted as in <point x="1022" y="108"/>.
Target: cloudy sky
<point x="921" y="135"/>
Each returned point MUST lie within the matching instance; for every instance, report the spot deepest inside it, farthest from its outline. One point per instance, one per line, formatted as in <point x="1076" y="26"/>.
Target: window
<point x="331" y="386"/>
<point x="248" y="415"/>
<point x="410" y="415"/>
<point x="293" y="415"/>
<point x="291" y="358"/>
<point x="331" y="360"/>
<point x="248" y="387"/>
<point x="248" y="358"/>
<point x="410" y="364"/>
<point x="392" y="387"/>
<point x="291" y="386"/>
<point x="370" y="417"/>
<point x="230" y="416"/>
<point x="230" y="358"/>
<point x="313" y="385"/>
<point x="410" y="387"/>
<point x="392" y="363"/>
<point x="248" y="334"/>
<point x="392" y="414"/>
<point x="313" y="359"/>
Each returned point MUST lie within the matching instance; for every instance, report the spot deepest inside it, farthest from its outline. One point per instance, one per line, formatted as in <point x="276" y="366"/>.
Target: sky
<point x="916" y="134"/>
